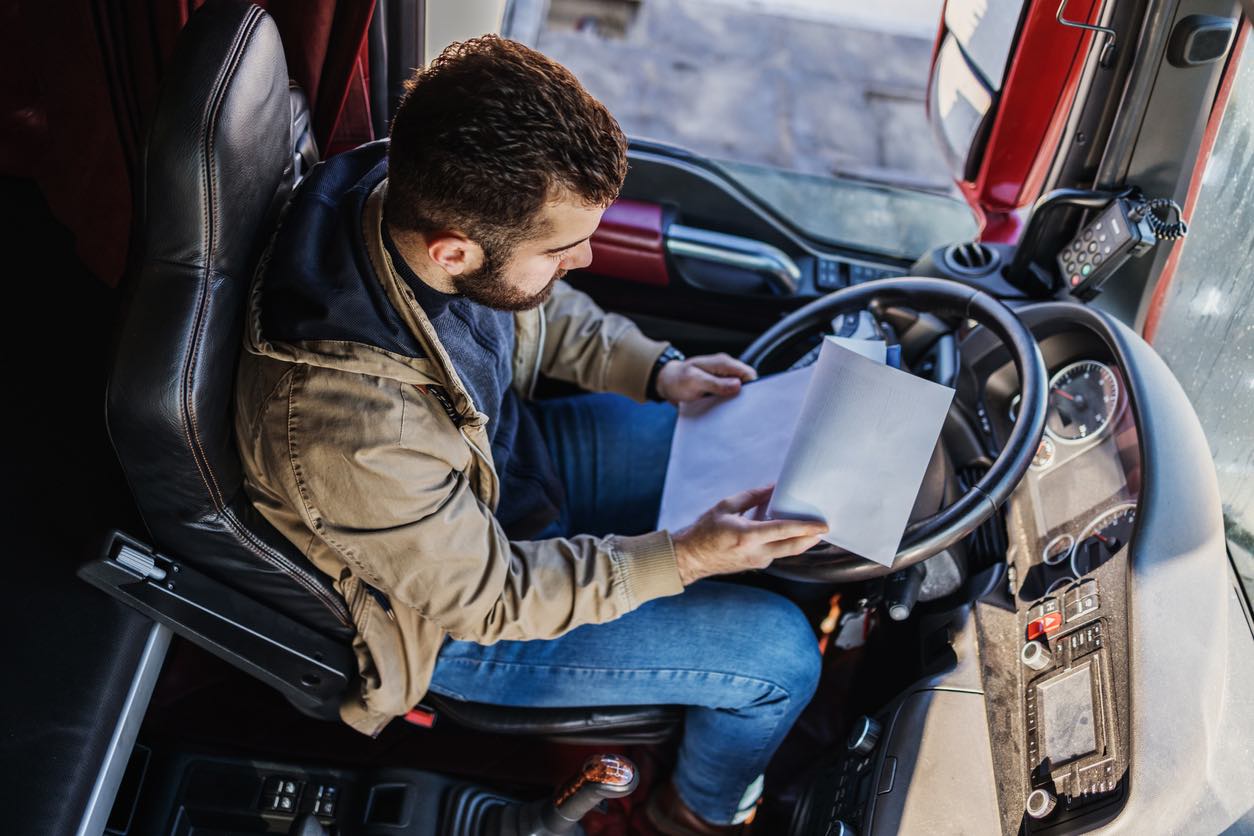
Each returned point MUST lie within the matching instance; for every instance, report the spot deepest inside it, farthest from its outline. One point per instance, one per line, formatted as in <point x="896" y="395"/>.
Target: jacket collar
<point x="435" y="369"/>
<point x="402" y="297"/>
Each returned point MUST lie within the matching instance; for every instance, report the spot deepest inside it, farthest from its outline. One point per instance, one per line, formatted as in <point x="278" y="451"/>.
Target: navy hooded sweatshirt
<point x="320" y="285"/>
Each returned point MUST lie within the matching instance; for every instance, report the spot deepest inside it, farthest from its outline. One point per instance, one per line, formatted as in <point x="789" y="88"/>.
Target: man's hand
<point x="709" y="374"/>
<point x="723" y="541"/>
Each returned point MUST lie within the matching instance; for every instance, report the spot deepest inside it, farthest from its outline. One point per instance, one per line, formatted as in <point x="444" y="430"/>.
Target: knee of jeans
<point x="785" y="649"/>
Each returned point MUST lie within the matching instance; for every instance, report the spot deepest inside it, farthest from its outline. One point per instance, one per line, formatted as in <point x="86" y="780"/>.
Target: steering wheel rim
<point x="928" y="536"/>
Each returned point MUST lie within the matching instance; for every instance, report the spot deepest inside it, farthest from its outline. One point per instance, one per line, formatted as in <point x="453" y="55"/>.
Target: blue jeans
<point x="743" y="660"/>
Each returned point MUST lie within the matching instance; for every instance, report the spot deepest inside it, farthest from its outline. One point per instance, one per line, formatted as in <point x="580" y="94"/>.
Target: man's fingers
<point x="726" y="366"/>
<point x="789" y="547"/>
<point x="770" y="531"/>
<point x="743" y="501"/>
<point x="712" y="385"/>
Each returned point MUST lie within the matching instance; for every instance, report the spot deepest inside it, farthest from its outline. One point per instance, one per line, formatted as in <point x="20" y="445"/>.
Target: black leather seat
<point x="219" y="166"/>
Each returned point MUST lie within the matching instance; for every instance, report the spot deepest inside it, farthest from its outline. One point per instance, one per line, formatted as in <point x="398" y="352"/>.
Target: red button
<point x="1043" y="626"/>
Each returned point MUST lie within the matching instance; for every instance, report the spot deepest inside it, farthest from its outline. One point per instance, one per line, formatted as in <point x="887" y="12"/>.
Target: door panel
<point x="696" y="259"/>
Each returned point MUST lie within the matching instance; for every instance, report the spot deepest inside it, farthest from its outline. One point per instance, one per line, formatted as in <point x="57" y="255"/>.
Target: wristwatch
<point x="671" y="353"/>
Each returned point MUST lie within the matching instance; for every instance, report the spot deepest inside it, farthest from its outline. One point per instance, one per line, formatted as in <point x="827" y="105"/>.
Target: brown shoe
<point x="670" y="816"/>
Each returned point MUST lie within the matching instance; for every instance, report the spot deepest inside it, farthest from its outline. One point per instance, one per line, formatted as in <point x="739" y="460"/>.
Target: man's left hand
<point x="695" y="377"/>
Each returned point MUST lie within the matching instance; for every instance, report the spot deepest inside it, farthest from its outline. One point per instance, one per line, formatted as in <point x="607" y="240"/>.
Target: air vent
<point x="971" y="259"/>
<point x="986" y="545"/>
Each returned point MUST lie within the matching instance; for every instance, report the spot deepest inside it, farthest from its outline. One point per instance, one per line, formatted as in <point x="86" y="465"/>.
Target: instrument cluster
<point x="1077" y="504"/>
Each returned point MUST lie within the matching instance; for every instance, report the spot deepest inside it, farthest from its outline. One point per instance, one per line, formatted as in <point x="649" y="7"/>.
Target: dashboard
<point x="1069" y="524"/>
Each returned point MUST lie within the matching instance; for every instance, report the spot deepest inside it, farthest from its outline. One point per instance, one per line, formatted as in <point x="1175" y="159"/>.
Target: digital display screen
<point x="1065" y="716"/>
<point x="1080" y="485"/>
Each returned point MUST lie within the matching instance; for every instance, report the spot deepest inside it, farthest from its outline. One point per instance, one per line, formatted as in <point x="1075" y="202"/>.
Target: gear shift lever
<point x="600" y="777"/>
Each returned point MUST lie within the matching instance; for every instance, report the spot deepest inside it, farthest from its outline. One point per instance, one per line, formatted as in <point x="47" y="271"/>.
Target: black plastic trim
<point x="311" y="670"/>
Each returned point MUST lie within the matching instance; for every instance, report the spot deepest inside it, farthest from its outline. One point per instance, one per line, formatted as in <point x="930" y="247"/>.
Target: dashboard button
<point x="1044" y="625"/>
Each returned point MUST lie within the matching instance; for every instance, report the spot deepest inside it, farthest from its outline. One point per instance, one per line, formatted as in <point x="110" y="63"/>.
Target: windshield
<point x="816" y="102"/>
<point x="890" y="220"/>
<point x="1206" y="329"/>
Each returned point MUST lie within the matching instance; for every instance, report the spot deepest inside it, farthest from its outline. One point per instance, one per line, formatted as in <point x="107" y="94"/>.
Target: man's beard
<point x="488" y="286"/>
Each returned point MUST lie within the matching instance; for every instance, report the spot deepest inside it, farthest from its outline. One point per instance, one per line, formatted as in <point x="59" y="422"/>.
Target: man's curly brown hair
<point x="488" y="134"/>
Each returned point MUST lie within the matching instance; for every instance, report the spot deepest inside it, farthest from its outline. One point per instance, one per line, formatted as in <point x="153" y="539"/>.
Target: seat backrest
<point x="217" y="167"/>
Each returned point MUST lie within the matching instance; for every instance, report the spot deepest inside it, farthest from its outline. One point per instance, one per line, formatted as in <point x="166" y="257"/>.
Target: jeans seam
<point x="735" y="676"/>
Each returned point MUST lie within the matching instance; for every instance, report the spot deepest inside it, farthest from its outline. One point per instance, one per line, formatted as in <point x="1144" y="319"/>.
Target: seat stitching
<point x="190" y="423"/>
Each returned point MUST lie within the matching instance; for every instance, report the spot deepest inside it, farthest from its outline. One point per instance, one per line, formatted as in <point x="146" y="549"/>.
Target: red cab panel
<point x="629" y="243"/>
<point x="1002" y="168"/>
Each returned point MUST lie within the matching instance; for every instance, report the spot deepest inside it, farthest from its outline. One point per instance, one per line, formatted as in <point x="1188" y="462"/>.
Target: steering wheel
<point x="930" y="535"/>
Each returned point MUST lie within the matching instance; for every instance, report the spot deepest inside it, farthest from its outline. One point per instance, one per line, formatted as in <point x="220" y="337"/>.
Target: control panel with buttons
<point x="1080" y="600"/>
<point x="1102" y="247"/>
<point x="291" y="795"/>
<point x="1049" y="615"/>
<point x="836" y="799"/>
<point x="831" y="274"/>
<point x="1072" y="746"/>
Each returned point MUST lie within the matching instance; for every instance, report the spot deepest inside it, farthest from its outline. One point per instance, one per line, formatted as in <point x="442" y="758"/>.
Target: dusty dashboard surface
<point x="1054" y="661"/>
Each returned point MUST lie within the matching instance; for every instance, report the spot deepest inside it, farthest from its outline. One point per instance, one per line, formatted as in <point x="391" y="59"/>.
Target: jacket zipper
<point x="535" y="370"/>
<point x="483" y="461"/>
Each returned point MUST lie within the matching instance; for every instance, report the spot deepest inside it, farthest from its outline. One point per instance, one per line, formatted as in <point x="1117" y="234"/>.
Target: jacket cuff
<point x="631" y="362"/>
<point x="647" y="567"/>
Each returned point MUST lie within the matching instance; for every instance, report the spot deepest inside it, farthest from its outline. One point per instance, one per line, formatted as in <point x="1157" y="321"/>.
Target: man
<point x="401" y="316"/>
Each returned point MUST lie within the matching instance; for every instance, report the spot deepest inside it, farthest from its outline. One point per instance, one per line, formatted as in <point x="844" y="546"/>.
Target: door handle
<point x="776" y="266"/>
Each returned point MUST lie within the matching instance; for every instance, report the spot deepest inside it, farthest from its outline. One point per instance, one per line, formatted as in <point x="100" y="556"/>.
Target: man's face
<point x="523" y="277"/>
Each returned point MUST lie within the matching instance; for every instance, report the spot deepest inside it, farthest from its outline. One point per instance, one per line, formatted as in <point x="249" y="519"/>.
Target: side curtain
<point x="80" y="83"/>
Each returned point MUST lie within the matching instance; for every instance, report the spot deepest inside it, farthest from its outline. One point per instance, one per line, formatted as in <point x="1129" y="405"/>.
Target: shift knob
<point x="600" y="777"/>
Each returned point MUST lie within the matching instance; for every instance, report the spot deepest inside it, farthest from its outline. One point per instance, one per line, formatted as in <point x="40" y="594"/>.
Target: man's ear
<point x="454" y="252"/>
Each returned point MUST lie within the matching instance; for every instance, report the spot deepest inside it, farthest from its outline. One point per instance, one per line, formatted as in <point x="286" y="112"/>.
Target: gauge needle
<point x="1101" y="537"/>
<point x="1064" y="394"/>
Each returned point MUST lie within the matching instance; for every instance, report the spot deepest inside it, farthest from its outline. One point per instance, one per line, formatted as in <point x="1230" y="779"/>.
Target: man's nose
<point x="580" y="258"/>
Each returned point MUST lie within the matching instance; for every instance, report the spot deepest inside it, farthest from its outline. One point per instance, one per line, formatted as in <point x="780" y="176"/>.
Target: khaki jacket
<point x="354" y="461"/>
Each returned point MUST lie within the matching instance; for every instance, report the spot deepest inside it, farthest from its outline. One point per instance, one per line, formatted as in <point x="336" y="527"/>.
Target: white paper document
<point x="846" y="440"/>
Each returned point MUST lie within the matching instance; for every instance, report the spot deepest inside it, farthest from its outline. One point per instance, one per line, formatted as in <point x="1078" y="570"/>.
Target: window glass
<point x="959" y="102"/>
<point x="893" y="221"/>
<point x="985" y="31"/>
<point x="1206" y="329"/>
<point x="816" y="108"/>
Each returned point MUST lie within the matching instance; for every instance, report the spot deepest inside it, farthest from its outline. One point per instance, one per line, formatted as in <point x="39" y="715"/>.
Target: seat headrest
<point x="220" y="140"/>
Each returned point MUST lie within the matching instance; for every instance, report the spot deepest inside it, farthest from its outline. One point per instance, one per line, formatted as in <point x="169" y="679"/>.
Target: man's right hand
<point x="723" y="541"/>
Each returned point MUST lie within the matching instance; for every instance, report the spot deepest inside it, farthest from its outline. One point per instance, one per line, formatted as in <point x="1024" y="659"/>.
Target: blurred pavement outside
<point x="826" y="87"/>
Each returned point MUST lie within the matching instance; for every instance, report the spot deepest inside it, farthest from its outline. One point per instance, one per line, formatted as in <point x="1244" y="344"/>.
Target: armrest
<point x="311" y="670"/>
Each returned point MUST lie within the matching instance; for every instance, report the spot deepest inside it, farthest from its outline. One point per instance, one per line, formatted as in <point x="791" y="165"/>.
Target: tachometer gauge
<point x="1082" y="400"/>
<point x="1103" y="537"/>
<point x="1112" y="528"/>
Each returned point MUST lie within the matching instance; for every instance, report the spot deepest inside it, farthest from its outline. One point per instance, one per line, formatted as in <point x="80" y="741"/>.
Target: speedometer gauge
<point x="1082" y="400"/>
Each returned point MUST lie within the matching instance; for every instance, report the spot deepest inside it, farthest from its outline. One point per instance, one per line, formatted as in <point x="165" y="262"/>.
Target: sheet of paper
<point x="723" y="446"/>
<point x="863" y="440"/>
<point x="876" y="350"/>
